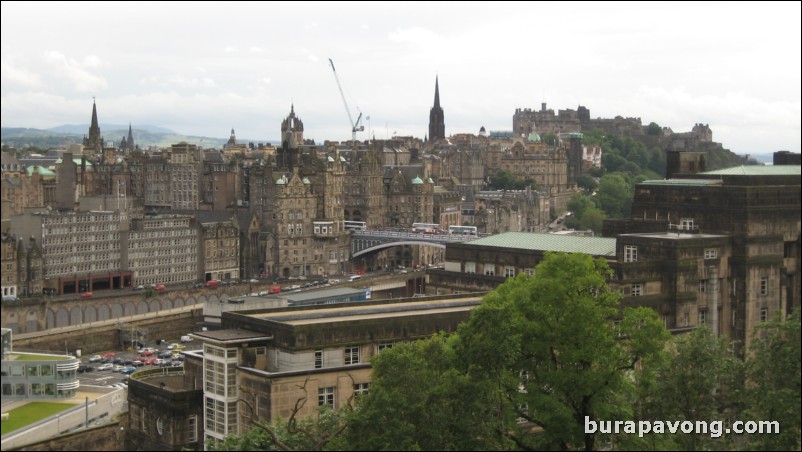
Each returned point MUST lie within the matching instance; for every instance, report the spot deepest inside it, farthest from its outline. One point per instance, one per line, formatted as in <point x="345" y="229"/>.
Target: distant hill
<point x="83" y="129"/>
<point x="22" y="138"/>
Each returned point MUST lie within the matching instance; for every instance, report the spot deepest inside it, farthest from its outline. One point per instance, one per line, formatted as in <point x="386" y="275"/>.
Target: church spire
<point x="437" y="126"/>
<point x="94" y="115"/>
<point x="130" y="142"/>
<point x="436" y="92"/>
<point x="94" y="140"/>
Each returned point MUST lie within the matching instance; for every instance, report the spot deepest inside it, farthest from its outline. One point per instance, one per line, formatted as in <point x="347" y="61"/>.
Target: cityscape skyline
<point x="221" y="66"/>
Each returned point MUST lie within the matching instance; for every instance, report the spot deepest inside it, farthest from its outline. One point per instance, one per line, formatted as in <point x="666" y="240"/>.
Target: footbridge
<point x="368" y="241"/>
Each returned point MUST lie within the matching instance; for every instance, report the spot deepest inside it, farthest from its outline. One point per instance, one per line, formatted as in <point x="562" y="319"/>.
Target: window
<point x="636" y="290"/>
<point x="260" y="351"/>
<point x="509" y="271"/>
<point x="325" y="396"/>
<point x="529" y="271"/>
<point x="702" y="317"/>
<point x="351" y="355"/>
<point x="686" y="224"/>
<point x="384" y="345"/>
<point x="764" y="286"/>
<point x="490" y="270"/>
<point x="686" y="319"/>
<point x="192" y="428"/>
<point x="319" y="358"/>
<point x="702" y="285"/>
<point x="470" y="267"/>
<point x="361" y="388"/>
<point x="764" y="314"/>
<point x="630" y="253"/>
<point x="711" y="253"/>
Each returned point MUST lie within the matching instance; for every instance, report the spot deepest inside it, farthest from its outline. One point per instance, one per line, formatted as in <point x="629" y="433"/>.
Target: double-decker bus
<point x="426" y="228"/>
<point x="355" y="225"/>
<point x="462" y="230"/>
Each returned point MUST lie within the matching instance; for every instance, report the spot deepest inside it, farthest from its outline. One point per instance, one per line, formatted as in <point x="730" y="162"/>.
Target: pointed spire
<point x="130" y="142"/>
<point x="94" y="115"/>
<point x="436" y="92"/>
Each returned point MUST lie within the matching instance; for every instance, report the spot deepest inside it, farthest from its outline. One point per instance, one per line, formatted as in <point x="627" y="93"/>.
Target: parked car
<point x="212" y="283"/>
<point x="107" y="366"/>
<point x="86" y="295"/>
<point x="108" y="355"/>
<point x="139" y="287"/>
<point x="185" y="339"/>
<point x="95" y="358"/>
<point x="160" y="288"/>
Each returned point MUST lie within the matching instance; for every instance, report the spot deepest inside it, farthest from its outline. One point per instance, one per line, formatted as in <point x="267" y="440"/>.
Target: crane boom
<point x="355" y="126"/>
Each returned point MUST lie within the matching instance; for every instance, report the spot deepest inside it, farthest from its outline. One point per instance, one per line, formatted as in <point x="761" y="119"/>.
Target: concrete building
<point x="735" y="229"/>
<point x="37" y="375"/>
<point x="483" y="264"/>
<point x="264" y="361"/>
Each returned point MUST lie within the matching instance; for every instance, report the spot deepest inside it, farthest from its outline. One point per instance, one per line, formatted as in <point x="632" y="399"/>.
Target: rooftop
<point x="372" y="312"/>
<point x="595" y="246"/>
<point x="755" y="170"/>
<point x="683" y="182"/>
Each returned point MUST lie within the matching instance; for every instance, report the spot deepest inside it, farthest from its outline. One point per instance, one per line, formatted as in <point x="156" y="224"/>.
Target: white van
<point x="353" y="278"/>
<point x="185" y="339"/>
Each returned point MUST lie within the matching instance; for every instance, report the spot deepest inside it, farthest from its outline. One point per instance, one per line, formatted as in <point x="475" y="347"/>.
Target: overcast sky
<point x="209" y="67"/>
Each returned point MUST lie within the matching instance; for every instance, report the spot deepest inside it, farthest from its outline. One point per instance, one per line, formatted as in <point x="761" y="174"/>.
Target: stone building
<point x="97" y="250"/>
<point x="263" y="362"/>
<point x="744" y="224"/>
<point x="437" y="126"/>
<point x="219" y="256"/>
<point x="483" y="264"/>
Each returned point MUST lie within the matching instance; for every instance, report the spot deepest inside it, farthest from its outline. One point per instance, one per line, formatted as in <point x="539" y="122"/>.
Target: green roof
<point x="683" y="182"/>
<point x="42" y="171"/>
<point x="755" y="170"/>
<point x="595" y="246"/>
<point x="417" y="180"/>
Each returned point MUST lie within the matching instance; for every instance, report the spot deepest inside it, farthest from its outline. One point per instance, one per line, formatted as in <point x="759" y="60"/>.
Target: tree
<point x="419" y="400"/>
<point x="504" y="180"/>
<point x="653" y="129"/>
<point x="587" y="183"/>
<point x="700" y="381"/>
<point x="773" y="391"/>
<point x="558" y="350"/>
<point x="593" y="219"/>
<point x="615" y="194"/>
<point x="311" y="433"/>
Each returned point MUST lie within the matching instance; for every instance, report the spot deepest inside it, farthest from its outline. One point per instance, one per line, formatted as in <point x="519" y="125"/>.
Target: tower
<point x="292" y="137"/>
<point x="94" y="141"/>
<point x="437" y="126"/>
<point x="130" y="141"/>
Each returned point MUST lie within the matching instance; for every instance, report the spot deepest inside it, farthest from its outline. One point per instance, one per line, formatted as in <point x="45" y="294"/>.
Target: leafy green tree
<point x="558" y="349"/>
<point x="596" y="171"/>
<point x="593" y="219"/>
<point x="653" y="129"/>
<point x="311" y="433"/>
<point x="419" y="400"/>
<point x="504" y="180"/>
<point x="700" y="381"/>
<point x="550" y="139"/>
<point x="587" y="183"/>
<point x="773" y="391"/>
<point x="615" y="194"/>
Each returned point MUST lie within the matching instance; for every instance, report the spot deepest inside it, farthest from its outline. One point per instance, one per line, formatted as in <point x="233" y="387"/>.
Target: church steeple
<point x="94" y="140"/>
<point x="437" y="126"/>
<point x="436" y="92"/>
<point x="130" y="142"/>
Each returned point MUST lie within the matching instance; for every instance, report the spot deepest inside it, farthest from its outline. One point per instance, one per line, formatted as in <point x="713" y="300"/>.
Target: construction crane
<point x="355" y="126"/>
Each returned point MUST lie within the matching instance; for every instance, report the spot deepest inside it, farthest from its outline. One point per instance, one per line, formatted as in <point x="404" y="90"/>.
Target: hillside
<point x="22" y="138"/>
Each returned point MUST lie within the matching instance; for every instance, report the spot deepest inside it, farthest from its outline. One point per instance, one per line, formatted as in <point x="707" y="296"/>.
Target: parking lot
<point x="95" y="370"/>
